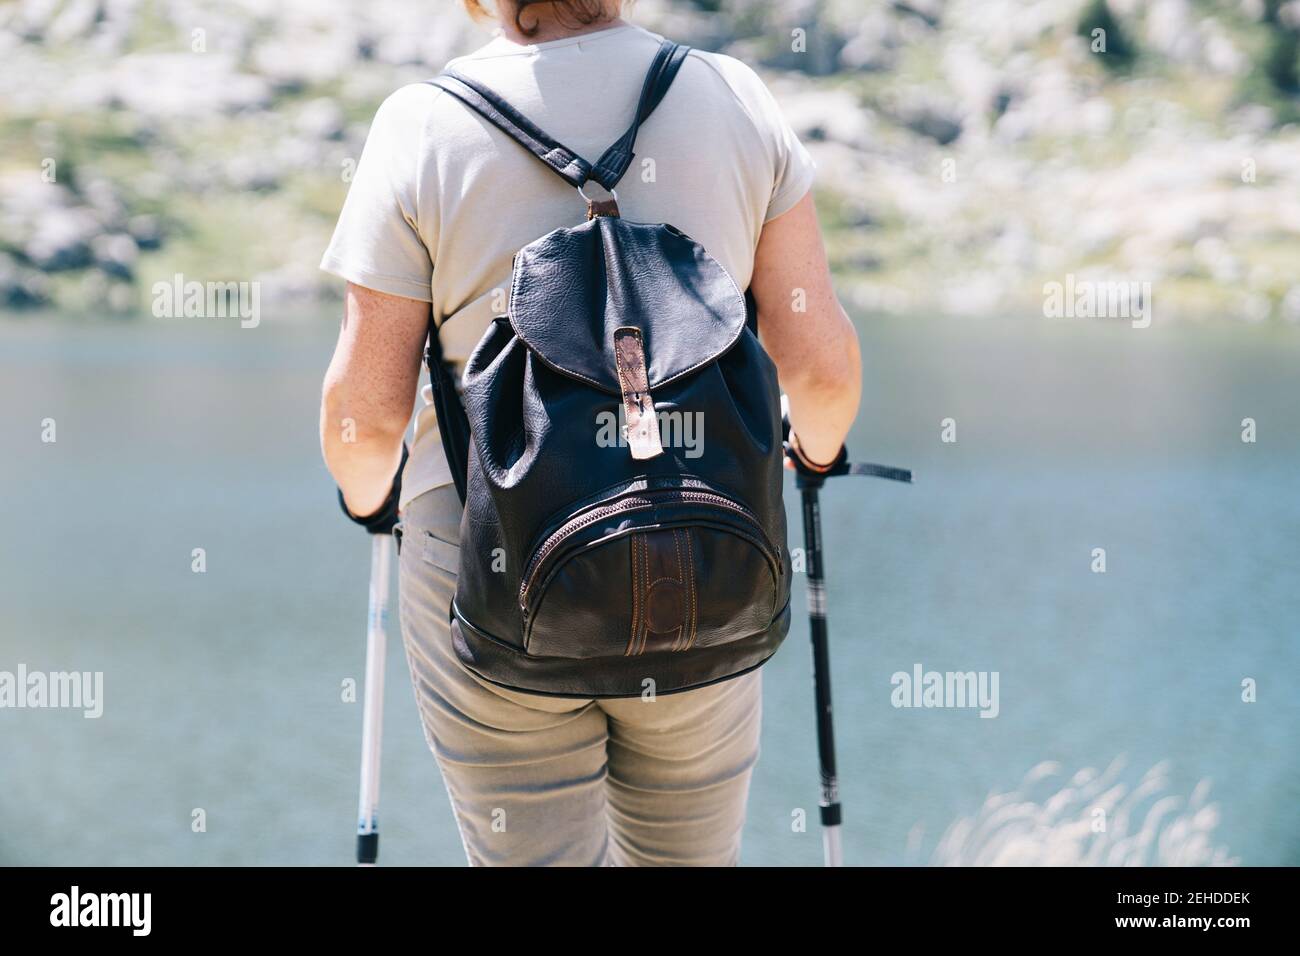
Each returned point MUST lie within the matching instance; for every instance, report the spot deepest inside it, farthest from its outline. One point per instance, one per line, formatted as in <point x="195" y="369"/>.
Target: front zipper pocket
<point x="661" y="569"/>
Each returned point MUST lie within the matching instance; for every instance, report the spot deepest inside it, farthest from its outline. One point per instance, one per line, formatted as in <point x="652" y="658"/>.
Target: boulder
<point x="926" y="114"/>
<point x="61" y="239"/>
<point x="115" y="254"/>
<point x="320" y="119"/>
<point x="21" y="287"/>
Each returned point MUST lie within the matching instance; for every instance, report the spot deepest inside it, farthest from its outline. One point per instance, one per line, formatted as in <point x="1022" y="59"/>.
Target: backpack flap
<point x="574" y="289"/>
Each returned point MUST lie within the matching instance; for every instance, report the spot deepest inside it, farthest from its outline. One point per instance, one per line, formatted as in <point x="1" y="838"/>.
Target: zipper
<point x="636" y="502"/>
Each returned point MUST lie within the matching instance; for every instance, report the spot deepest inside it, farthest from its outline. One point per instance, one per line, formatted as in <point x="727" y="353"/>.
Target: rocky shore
<point x="969" y="151"/>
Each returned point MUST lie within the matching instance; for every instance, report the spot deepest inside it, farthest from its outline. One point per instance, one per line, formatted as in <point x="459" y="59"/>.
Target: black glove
<point x="385" y="518"/>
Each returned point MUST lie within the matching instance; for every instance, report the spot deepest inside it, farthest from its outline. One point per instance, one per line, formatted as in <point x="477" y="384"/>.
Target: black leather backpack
<point x="617" y="445"/>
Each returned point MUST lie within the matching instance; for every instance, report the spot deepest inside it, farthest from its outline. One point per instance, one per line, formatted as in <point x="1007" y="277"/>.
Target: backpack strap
<point x="613" y="163"/>
<point x="567" y="164"/>
<point x="453" y="425"/>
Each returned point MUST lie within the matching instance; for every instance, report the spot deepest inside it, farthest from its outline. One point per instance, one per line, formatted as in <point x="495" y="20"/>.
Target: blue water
<point x="223" y="689"/>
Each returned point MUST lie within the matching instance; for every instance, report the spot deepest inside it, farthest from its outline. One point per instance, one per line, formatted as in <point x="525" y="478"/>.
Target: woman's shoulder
<point x="727" y="76"/>
<point x="409" y="111"/>
<point x="410" y="100"/>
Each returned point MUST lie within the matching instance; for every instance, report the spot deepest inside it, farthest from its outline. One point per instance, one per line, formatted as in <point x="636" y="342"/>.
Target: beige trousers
<point x="545" y="781"/>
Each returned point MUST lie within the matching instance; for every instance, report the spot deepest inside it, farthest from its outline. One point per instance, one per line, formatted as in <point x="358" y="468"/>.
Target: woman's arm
<point x="369" y="393"/>
<point x="815" y="351"/>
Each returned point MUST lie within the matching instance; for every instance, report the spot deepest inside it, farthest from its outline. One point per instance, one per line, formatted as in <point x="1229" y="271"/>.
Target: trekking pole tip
<point x="367" y="848"/>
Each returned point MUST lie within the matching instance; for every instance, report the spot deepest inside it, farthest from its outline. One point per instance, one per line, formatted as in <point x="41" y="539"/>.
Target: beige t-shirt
<point x="441" y="200"/>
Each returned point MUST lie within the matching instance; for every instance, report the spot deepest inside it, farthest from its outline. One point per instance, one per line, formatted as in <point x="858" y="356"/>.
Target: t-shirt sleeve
<point x="380" y="242"/>
<point x="793" y="169"/>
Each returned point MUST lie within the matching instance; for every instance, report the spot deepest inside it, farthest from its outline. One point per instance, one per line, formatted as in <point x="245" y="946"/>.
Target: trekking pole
<point x="383" y="528"/>
<point x="810" y="492"/>
<point x="810" y="484"/>
<point x="372" y="721"/>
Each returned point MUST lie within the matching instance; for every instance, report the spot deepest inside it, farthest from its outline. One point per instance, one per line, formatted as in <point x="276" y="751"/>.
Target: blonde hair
<point x="569" y="12"/>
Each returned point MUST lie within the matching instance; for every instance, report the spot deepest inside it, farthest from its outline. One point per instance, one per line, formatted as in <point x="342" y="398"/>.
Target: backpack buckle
<point x="642" y="428"/>
<point x="600" y="207"/>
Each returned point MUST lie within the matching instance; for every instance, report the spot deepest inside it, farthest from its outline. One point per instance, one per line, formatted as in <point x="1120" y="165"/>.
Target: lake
<point x="222" y="690"/>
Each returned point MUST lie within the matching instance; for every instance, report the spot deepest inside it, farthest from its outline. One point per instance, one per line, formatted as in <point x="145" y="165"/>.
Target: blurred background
<point x="970" y="155"/>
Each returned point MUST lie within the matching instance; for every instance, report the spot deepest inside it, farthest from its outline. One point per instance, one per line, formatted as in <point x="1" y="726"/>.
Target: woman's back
<point x="715" y="160"/>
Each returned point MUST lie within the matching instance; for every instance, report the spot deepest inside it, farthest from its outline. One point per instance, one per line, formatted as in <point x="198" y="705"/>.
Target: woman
<point x="440" y="203"/>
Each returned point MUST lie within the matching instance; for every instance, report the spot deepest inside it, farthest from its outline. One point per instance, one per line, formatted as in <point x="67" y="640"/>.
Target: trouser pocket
<point x="440" y="553"/>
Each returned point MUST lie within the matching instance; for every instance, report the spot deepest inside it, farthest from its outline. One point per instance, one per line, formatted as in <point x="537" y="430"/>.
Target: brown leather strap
<point x="602" y="207"/>
<point x="642" y="428"/>
<point x="665" y="598"/>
